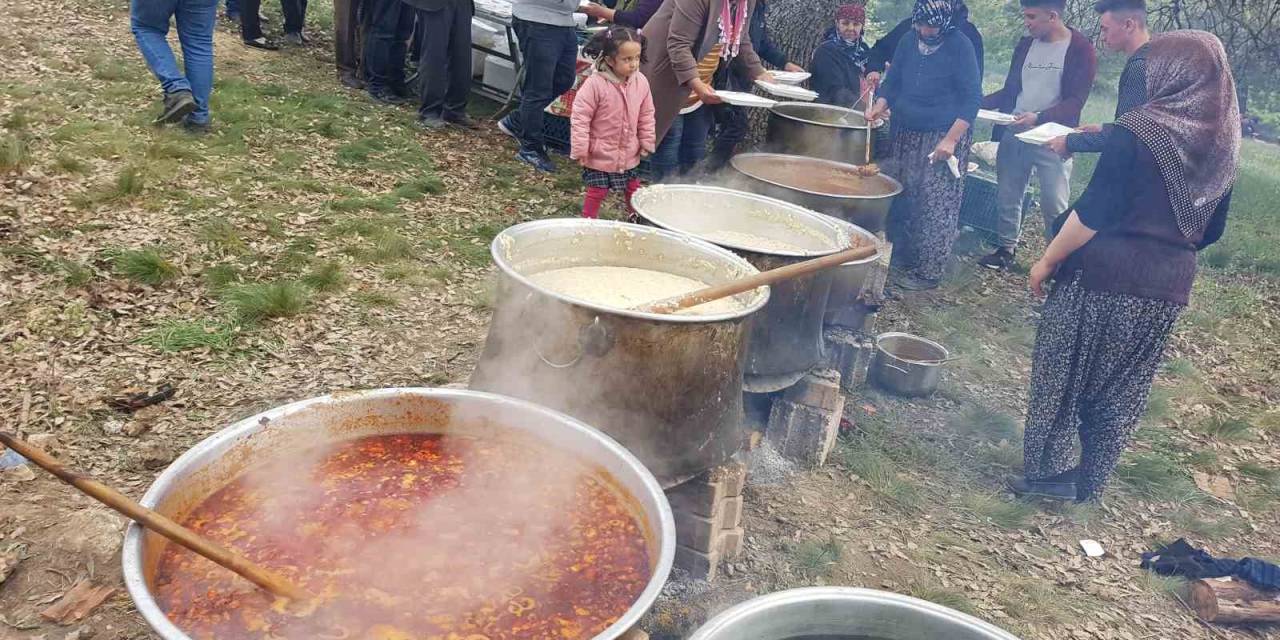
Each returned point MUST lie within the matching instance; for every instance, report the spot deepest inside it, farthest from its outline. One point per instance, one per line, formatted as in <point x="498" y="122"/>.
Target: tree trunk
<point x="1218" y="600"/>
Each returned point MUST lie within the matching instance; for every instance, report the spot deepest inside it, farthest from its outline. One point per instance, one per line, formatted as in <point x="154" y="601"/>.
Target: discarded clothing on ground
<point x="1181" y="559"/>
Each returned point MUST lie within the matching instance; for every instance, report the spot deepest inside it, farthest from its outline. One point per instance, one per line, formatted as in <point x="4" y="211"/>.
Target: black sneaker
<point x="462" y="122"/>
<point x="350" y="81"/>
<point x="386" y="97"/>
<point x="296" y="38"/>
<point x="1001" y="260"/>
<point x="262" y="43"/>
<point x="196" y="128"/>
<point x="177" y="105"/>
<point x="1024" y="488"/>
<point x="432" y="123"/>
<point x="911" y="282"/>
<point x="536" y="160"/>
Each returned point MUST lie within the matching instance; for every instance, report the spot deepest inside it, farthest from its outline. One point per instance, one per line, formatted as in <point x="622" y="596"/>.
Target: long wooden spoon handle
<point x="158" y="523"/>
<point x="702" y="296"/>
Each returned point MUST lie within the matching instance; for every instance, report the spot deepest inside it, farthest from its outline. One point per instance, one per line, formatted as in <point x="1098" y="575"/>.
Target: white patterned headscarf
<point x="1191" y="123"/>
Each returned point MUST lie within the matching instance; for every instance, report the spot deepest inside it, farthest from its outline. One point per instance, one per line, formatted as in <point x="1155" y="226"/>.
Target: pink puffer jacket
<point x="612" y="122"/>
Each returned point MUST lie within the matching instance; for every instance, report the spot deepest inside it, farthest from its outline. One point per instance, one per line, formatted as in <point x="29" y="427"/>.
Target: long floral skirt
<point x="924" y="220"/>
<point x="1095" y="357"/>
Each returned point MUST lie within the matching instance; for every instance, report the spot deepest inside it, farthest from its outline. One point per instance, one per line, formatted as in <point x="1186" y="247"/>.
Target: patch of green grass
<point x="401" y="271"/>
<point x="389" y="245"/>
<point x="1205" y="460"/>
<point x="1227" y="429"/>
<point x="881" y="475"/>
<point x="358" y="152"/>
<point x="166" y="150"/>
<point x="1258" y="471"/>
<point x="181" y="335"/>
<point x="986" y="423"/>
<point x="1006" y="455"/>
<point x="70" y="164"/>
<point x="263" y="300"/>
<point x="1162" y="585"/>
<point x="74" y="274"/>
<point x="438" y="273"/>
<point x="219" y="277"/>
<point x="1003" y="513"/>
<point x="1159" y="405"/>
<point x="147" y="266"/>
<point x="1157" y="477"/>
<point x="816" y="557"/>
<point x="947" y="597"/>
<point x="1035" y="601"/>
<point x="1187" y="521"/>
<point x="131" y="181"/>
<point x="376" y="299"/>
<point x="15" y="154"/>
<point x="1181" y="368"/>
<point x="327" y="276"/>
<point x="109" y="69"/>
<point x="220" y="234"/>
<point x="1219" y="255"/>
<point x="18" y="120"/>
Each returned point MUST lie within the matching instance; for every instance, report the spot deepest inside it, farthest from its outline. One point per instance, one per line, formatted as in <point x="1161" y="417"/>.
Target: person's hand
<point x="705" y="93"/>
<point x="1089" y="128"/>
<point x="877" y="111"/>
<point x="793" y="67"/>
<point x="945" y="149"/>
<point x="1041" y="271"/>
<point x="766" y="77"/>
<point x="1059" y="146"/>
<point x="1025" y="121"/>
<point x="874" y="78"/>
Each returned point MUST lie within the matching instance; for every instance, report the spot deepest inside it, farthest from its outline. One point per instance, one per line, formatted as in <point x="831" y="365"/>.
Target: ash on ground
<point x="765" y="466"/>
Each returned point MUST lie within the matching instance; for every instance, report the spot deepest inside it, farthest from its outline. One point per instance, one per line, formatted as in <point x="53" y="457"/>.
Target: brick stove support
<point x="708" y="513"/>
<point x="804" y="422"/>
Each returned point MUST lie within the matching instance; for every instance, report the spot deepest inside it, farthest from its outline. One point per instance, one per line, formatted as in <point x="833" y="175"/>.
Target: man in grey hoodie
<point x="548" y="52"/>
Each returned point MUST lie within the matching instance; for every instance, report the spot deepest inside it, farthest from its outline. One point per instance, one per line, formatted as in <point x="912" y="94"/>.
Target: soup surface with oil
<point x="416" y="536"/>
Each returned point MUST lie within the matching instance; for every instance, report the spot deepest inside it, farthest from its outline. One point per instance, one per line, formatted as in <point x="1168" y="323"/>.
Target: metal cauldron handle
<point x="934" y="362"/>
<point x="593" y="339"/>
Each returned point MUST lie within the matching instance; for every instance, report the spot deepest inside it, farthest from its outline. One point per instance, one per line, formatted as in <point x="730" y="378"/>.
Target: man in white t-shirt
<point x="1048" y="81"/>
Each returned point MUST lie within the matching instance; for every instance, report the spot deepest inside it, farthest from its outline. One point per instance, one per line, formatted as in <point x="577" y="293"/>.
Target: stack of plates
<point x="996" y="116"/>
<point x="742" y="99"/>
<point x="1044" y="133"/>
<point x="790" y="77"/>
<point x="787" y="91"/>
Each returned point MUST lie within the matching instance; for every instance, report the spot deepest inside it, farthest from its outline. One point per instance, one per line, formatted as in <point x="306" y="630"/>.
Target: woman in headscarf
<point x="685" y="33"/>
<point x="840" y="62"/>
<point x="882" y="52"/>
<point x="933" y="90"/>
<point x="1123" y="264"/>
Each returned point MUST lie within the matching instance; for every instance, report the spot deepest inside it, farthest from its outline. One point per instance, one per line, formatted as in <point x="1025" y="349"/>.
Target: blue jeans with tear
<point x="149" y="20"/>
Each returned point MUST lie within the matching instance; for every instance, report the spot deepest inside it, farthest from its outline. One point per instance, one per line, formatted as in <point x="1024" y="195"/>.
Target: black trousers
<point x="445" y="64"/>
<point x="390" y="23"/>
<point x="348" y="34"/>
<point x="295" y="13"/>
<point x="250" y="20"/>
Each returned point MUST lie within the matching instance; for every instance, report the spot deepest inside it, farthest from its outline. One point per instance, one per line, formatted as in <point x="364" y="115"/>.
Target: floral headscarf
<point x="856" y="50"/>
<point x="934" y="13"/>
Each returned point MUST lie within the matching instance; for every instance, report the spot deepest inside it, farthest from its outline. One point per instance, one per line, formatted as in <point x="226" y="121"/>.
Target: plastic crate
<point x="556" y="132"/>
<point x="978" y="209"/>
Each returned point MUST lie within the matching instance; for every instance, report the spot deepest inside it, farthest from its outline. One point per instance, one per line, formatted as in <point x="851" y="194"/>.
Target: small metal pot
<point x="908" y="365"/>
<point x="774" y="175"/>
<point x="840" y="612"/>
<point x="820" y="131"/>
<point x="786" y="336"/>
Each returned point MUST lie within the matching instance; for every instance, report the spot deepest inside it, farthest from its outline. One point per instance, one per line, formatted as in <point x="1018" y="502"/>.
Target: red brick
<point x="698" y="564"/>
<point x="731" y="513"/>
<point x="819" y="392"/>
<point x="696" y="532"/>
<point x="699" y="496"/>
<point x="732" y="542"/>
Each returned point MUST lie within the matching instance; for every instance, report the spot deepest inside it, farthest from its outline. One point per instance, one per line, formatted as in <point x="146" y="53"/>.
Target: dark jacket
<point x="1132" y="94"/>
<point x="883" y="50"/>
<point x="436" y="5"/>
<point x="929" y="93"/>
<point x="1138" y="249"/>
<point x="636" y="16"/>
<point x="1078" y="70"/>
<point x="836" y="78"/>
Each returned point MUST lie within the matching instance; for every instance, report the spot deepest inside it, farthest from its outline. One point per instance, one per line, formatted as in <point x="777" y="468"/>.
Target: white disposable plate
<point x="790" y="77"/>
<point x="742" y="99"/>
<point x="997" y="117"/>
<point x="787" y="91"/>
<point x="1044" y="133"/>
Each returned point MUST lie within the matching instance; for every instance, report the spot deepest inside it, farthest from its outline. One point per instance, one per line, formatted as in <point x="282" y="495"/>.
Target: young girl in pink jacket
<point x="612" y="118"/>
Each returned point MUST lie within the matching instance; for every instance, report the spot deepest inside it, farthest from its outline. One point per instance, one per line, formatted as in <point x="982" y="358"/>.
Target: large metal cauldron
<point x="668" y="387"/>
<point x="821" y="131"/>
<point x="825" y="186"/>
<point x="342" y="416"/>
<point x="844" y="612"/>
<point x="848" y="279"/>
<point x="786" y="336"/>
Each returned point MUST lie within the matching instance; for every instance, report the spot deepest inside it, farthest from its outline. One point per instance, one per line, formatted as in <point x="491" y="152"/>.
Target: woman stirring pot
<point x="1123" y="263"/>
<point x="934" y="91"/>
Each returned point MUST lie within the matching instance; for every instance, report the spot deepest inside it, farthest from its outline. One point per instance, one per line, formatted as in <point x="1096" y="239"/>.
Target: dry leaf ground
<point x="317" y="242"/>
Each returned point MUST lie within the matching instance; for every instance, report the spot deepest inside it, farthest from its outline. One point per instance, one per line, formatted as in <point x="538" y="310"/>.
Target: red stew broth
<point x="416" y="536"/>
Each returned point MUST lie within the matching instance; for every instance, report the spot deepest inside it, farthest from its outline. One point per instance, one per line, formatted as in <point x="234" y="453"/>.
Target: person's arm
<point x="639" y="16"/>
<point x="764" y="45"/>
<point x="1077" y="81"/>
<point x="584" y="110"/>
<point x="966" y="83"/>
<point x="1217" y="224"/>
<point x="645" y="129"/>
<point x="687" y="21"/>
<point x="1105" y="203"/>
<point x="883" y="50"/>
<point x="891" y="84"/>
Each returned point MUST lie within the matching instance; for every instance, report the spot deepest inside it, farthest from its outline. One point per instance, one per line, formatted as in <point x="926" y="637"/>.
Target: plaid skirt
<point x="606" y="180"/>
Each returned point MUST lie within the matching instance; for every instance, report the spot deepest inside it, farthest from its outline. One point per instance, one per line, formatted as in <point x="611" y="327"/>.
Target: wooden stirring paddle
<point x="733" y="288"/>
<point x="160" y="524"/>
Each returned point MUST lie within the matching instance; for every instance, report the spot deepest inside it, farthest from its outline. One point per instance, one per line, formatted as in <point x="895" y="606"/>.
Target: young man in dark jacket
<point x="1048" y="81"/>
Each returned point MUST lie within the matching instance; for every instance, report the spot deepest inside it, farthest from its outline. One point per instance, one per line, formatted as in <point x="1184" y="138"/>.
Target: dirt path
<point x="316" y="242"/>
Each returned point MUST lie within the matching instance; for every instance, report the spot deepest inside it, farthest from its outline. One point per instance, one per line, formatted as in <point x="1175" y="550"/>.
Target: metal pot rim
<point x="834" y="125"/>
<point x="734" y="162"/>
<point x="814" y="216"/>
<point x="495" y="249"/>
<point x="765" y="604"/>
<point x="132" y="553"/>
<point x="946" y="353"/>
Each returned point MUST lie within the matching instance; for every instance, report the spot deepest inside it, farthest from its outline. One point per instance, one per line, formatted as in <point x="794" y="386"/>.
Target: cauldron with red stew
<point x="410" y="514"/>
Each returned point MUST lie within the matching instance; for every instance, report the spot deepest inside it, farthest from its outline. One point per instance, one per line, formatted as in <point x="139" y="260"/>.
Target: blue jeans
<point x="684" y="146"/>
<point x="548" y="55"/>
<point x="149" y="20"/>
